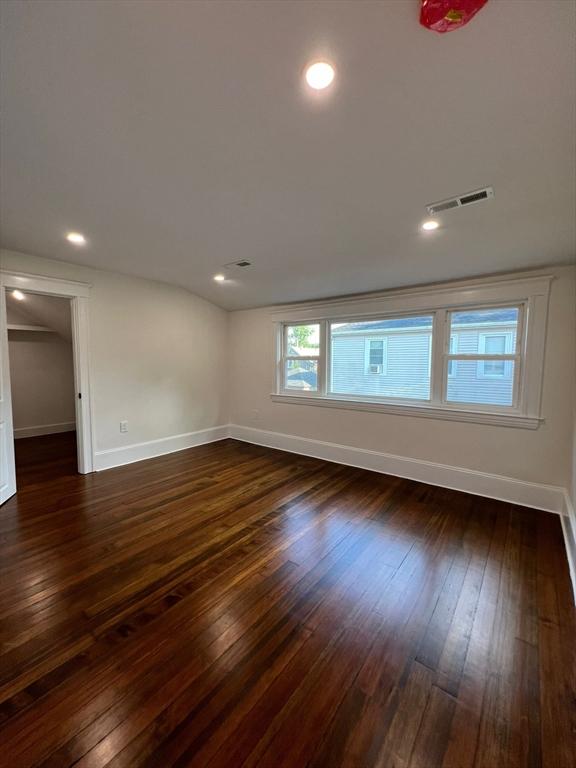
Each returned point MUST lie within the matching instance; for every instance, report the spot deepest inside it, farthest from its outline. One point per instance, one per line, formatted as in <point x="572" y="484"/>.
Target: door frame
<point x="79" y="295"/>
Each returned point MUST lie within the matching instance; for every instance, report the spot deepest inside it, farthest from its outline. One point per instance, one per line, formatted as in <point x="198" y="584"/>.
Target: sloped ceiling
<point x="47" y="311"/>
<point x="178" y="137"/>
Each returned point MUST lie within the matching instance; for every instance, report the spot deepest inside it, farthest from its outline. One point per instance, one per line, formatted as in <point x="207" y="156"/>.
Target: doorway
<point x="41" y="379"/>
<point x="31" y="305"/>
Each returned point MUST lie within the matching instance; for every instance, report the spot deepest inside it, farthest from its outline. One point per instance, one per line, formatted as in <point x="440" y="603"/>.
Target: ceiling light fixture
<point x="18" y="295"/>
<point x="219" y="278"/>
<point x="320" y="75"/>
<point x="430" y="225"/>
<point x="76" y="237"/>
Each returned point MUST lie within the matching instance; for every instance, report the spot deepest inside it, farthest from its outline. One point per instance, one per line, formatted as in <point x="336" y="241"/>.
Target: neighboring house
<point x="385" y="358"/>
<point x="391" y="358"/>
<point x="303" y="374"/>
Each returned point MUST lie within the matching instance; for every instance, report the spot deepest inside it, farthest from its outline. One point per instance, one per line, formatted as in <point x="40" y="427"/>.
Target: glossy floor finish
<point x="234" y="606"/>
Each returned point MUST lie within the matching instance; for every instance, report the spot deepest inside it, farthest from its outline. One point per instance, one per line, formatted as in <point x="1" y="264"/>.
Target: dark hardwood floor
<point x="234" y="606"/>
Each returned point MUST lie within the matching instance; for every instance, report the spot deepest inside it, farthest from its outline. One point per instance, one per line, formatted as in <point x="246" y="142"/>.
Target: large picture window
<point x="389" y="359"/>
<point x="471" y="351"/>
<point x="386" y="358"/>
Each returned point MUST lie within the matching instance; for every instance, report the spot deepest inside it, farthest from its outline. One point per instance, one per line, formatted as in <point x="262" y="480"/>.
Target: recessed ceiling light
<point x="430" y="226"/>
<point x="219" y="278"/>
<point x="18" y="295"/>
<point x="76" y="238"/>
<point x="320" y="75"/>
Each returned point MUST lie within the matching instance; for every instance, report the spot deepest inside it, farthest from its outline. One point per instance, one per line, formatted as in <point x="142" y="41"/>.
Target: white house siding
<point x="407" y="374"/>
<point x="467" y="384"/>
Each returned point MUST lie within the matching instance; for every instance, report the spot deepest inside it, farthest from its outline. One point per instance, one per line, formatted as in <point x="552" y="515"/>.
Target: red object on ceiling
<point x="446" y="15"/>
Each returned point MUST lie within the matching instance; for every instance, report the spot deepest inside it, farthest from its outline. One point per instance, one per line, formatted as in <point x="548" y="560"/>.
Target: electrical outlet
<point x="123" y="426"/>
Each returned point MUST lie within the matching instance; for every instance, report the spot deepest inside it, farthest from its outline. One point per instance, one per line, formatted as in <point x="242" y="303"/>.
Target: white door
<point x="7" y="466"/>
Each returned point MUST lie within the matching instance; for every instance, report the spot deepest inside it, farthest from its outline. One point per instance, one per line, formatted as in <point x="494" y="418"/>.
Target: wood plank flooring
<point x="232" y="606"/>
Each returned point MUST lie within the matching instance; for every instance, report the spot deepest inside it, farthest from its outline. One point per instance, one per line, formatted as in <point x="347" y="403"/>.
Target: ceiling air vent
<point x="458" y="202"/>
<point x="241" y="263"/>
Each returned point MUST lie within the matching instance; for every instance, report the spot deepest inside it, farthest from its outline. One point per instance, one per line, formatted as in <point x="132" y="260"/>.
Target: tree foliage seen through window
<point x="301" y="335"/>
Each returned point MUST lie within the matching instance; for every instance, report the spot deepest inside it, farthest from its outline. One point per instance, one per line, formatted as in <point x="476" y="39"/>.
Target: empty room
<point x="288" y="384"/>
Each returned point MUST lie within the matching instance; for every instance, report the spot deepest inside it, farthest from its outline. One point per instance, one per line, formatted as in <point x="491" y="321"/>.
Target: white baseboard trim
<point x="44" y="429"/>
<point x="550" y="498"/>
<point x="569" y="529"/>
<point x="128" y="454"/>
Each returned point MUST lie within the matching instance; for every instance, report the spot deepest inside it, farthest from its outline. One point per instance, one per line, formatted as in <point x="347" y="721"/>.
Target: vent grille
<point x="478" y="196"/>
<point x="438" y="207"/>
<point x="241" y="263"/>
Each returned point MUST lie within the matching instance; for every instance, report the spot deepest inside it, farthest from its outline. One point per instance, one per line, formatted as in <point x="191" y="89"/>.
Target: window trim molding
<point x="453" y="337"/>
<point x="529" y="290"/>
<point x="403" y="408"/>
<point x="411" y="300"/>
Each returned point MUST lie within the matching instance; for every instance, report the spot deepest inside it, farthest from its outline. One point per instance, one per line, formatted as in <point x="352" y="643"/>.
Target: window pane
<point x="487" y="382"/>
<point x="492" y="368"/>
<point x="302" y="374"/>
<point x="376" y="352"/>
<point x="303" y="340"/>
<point x="485" y="331"/>
<point x="387" y="358"/>
<point x="495" y="345"/>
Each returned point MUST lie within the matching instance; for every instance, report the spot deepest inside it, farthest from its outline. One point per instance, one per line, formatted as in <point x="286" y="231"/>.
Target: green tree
<point x="301" y="335"/>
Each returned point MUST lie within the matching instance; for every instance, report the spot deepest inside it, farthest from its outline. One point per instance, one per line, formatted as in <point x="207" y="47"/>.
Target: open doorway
<point x="44" y="350"/>
<point x="41" y="363"/>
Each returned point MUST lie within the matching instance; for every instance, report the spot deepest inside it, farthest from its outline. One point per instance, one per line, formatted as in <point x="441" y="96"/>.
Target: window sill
<point x="423" y="411"/>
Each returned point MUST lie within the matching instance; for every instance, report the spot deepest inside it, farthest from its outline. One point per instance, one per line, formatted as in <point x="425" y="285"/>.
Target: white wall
<point x="541" y="456"/>
<point x="163" y="359"/>
<point x="157" y="354"/>
<point x="42" y="380"/>
<point x="572" y="486"/>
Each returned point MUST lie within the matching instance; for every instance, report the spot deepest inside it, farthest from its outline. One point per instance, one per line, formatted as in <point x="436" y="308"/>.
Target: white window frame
<point x="528" y="292"/>
<point x="508" y="349"/>
<point x="453" y="350"/>
<point x="384" y="364"/>
<point x="284" y="357"/>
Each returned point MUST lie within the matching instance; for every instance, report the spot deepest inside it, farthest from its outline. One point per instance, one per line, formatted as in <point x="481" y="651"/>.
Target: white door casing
<point x="79" y="309"/>
<point x="79" y="295"/>
<point x="7" y="466"/>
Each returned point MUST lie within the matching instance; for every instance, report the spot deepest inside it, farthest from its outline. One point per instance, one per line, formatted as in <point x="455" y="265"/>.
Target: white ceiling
<point x="177" y="137"/>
